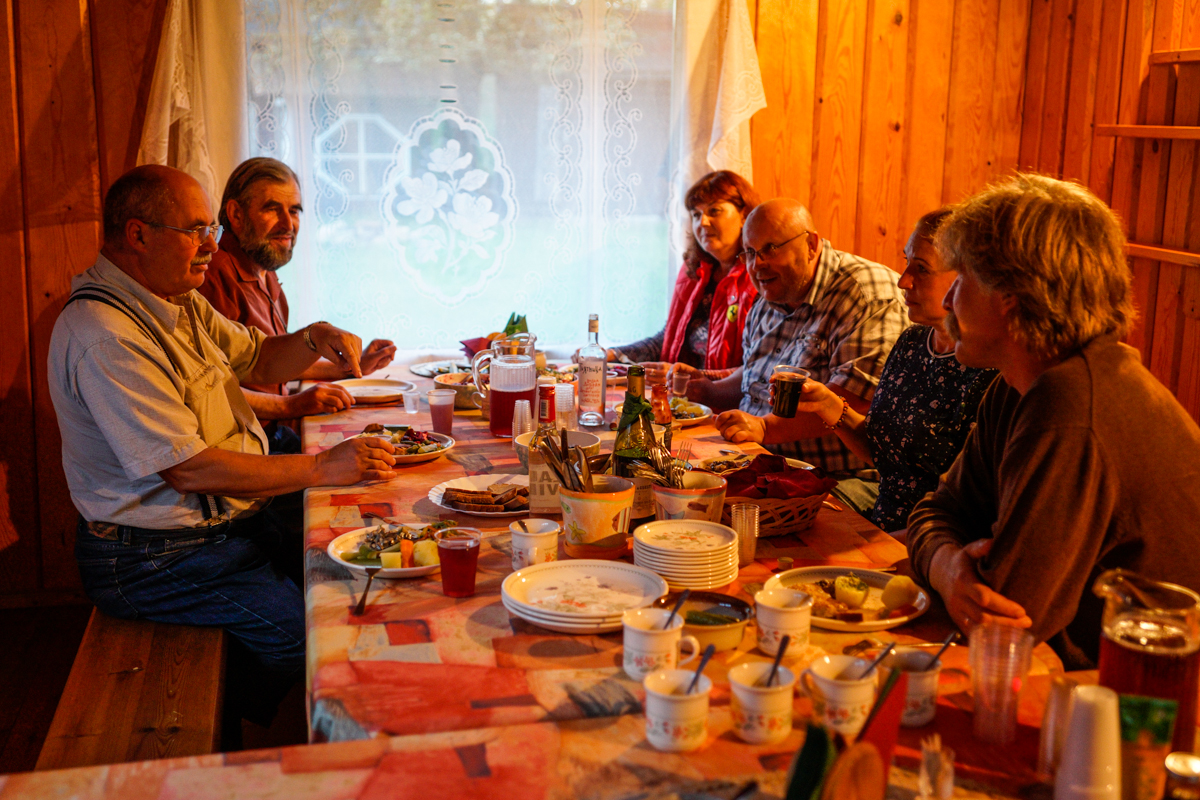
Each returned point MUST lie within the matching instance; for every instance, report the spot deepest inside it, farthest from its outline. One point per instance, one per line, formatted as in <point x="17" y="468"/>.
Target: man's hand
<point x="378" y="355"/>
<point x="367" y="458"/>
<point x="968" y="599"/>
<point x="340" y="347"/>
<point x="738" y="426"/>
<point x="699" y="388"/>
<point x="324" y="398"/>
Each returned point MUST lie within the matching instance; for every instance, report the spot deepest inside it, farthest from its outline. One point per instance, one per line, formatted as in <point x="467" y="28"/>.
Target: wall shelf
<point x="1160" y="253"/>
<point x="1175" y="57"/>
<point x="1149" y="131"/>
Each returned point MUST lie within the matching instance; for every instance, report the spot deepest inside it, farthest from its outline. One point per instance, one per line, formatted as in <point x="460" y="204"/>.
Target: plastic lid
<point x="1184" y="767"/>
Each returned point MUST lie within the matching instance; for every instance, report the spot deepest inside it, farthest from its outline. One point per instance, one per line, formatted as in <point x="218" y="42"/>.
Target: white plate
<point x="714" y="583"/>
<point x="349" y="541"/>
<point x="683" y="423"/>
<point x="875" y="580"/>
<point x="718" y="562"/>
<point x="590" y="587"/>
<point x="563" y="627"/>
<point x="479" y="483"/>
<point x="529" y="612"/>
<point x="685" y="539"/>
<point x="744" y="459"/>
<point x="417" y="458"/>
<point x="670" y="572"/>
<point x="430" y="368"/>
<point x="375" y="390"/>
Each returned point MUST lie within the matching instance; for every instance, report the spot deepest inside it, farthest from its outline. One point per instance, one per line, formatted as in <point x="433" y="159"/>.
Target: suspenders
<point x="211" y="506"/>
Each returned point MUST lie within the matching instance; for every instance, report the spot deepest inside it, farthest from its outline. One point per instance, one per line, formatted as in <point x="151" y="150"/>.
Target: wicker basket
<point x="778" y="517"/>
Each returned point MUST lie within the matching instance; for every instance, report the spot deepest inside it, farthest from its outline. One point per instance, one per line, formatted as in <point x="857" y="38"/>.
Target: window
<point x="462" y="160"/>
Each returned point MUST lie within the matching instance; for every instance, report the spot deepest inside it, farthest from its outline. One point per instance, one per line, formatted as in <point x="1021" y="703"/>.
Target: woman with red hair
<point x="713" y="292"/>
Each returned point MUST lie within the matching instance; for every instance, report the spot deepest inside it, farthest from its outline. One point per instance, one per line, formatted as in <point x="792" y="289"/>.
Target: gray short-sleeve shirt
<point x="134" y="397"/>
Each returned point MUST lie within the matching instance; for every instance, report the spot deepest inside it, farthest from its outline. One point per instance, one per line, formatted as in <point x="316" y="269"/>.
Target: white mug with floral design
<point x="761" y="714"/>
<point x="782" y="611"/>
<point x="536" y="544"/>
<point x="675" y="721"/>
<point x="649" y="646"/>
<point x="920" y="702"/>
<point x="842" y="695"/>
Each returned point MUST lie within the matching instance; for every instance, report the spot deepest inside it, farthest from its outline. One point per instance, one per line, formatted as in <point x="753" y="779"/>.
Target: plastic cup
<point x="656" y="371"/>
<point x="441" y="410"/>
<point x="412" y="401"/>
<point x="679" y="383"/>
<point x="788" y="381"/>
<point x="564" y="406"/>
<point x="458" y="551"/>
<point x="522" y="421"/>
<point x="999" y="663"/>
<point x="1090" y="768"/>
<point x="744" y="517"/>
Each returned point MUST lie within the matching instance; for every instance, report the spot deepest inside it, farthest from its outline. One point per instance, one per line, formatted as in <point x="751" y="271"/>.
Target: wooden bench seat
<point x="138" y="690"/>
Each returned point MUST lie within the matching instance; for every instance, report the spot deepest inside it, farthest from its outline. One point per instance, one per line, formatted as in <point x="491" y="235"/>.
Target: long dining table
<point x="429" y="696"/>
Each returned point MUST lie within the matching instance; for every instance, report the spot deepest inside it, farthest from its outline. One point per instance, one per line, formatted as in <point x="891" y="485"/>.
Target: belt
<point x="130" y="535"/>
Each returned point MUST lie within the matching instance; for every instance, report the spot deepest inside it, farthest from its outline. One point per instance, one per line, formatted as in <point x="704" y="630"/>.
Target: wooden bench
<point x="138" y="690"/>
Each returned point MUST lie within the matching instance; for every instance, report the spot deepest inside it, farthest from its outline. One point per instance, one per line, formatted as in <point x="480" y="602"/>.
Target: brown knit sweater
<point x="1096" y="466"/>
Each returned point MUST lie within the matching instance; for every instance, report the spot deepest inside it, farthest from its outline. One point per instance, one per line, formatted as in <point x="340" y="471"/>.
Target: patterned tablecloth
<point x="420" y="662"/>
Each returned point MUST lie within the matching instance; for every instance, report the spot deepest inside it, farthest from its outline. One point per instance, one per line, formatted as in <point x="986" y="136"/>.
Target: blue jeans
<point x="224" y="579"/>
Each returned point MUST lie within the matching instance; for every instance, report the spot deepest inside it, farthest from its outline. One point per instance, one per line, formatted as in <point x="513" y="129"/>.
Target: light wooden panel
<point x="838" y="125"/>
<point x="880" y="171"/>
<point x="1108" y="96"/>
<point x="972" y="78"/>
<point x="931" y="35"/>
<point x="18" y="485"/>
<point x="1035" y="82"/>
<point x="782" y="134"/>
<point x="1081" y="99"/>
<point x="62" y="190"/>
<point x="1008" y="88"/>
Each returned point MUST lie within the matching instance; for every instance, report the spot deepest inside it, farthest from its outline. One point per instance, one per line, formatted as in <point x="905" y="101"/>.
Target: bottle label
<point x="543" y="488"/>
<point x="591" y="384"/>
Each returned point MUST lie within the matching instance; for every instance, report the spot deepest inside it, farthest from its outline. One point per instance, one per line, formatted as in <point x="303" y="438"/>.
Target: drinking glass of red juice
<point x="458" y="551"/>
<point x="441" y="410"/>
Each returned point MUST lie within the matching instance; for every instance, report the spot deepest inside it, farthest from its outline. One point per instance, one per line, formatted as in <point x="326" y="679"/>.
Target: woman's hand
<point x="738" y="426"/>
<point x="968" y="599"/>
<point x="817" y="398"/>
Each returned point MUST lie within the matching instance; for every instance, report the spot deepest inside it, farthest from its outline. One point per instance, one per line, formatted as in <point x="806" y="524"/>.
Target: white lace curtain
<point x="463" y="159"/>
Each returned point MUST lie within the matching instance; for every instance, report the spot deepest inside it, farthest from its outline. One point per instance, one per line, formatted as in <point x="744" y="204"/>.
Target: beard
<point x="950" y="323"/>
<point x="267" y="255"/>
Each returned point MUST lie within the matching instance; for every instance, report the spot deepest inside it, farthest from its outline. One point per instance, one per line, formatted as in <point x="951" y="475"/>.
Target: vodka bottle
<point x="593" y="380"/>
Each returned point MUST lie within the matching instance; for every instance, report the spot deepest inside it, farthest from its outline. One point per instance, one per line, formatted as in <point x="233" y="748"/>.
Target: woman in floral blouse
<point x="922" y="411"/>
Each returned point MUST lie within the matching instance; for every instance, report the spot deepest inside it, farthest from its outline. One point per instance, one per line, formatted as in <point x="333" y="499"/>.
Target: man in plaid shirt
<point x="832" y="313"/>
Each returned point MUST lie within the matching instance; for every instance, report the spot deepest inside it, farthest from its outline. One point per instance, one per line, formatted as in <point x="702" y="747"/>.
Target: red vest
<point x="726" y="318"/>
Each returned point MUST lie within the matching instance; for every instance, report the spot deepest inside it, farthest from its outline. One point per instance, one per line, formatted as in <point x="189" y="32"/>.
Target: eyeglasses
<point x="199" y="234"/>
<point x="768" y="250"/>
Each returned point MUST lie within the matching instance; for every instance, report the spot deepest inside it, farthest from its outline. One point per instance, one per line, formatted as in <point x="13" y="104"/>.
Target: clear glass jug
<point x="512" y="376"/>
<point x="1150" y="644"/>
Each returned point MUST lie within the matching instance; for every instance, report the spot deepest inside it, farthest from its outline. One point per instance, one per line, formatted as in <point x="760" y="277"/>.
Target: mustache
<point x="950" y="323"/>
<point x="204" y="259"/>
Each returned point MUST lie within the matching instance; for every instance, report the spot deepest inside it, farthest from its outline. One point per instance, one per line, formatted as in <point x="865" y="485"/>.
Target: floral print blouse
<point x="918" y="421"/>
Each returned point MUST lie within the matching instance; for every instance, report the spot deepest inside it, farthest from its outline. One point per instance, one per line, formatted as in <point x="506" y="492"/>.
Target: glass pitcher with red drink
<point x="512" y="376"/>
<point x="1150" y="644"/>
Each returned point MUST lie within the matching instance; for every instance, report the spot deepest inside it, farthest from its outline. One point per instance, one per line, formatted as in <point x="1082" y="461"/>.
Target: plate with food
<point x="484" y="495"/>
<point x="562" y="373"/>
<point x="728" y="462"/>
<point x="375" y="390"/>
<point x="402" y="550"/>
<point x="429" y="369"/>
<point x="412" y="446"/>
<point x="855" y="599"/>
<point x="687" y="413"/>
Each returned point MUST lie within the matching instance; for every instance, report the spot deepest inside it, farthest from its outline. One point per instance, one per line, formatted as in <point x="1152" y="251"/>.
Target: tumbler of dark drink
<point x="788" y="383"/>
<point x="458" y="552"/>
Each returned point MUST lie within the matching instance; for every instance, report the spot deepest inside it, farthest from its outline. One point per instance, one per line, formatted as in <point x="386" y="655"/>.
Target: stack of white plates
<point x="579" y="596"/>
<point x="689" y="553"/>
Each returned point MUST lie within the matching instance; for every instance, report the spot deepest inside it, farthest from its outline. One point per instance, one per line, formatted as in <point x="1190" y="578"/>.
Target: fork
<point x="362" y="601"/>
<point x="685" y="450"/>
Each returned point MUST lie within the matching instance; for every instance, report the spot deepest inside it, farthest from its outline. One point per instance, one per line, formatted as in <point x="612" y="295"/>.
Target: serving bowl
<point x="722" y="637"/>
<point x="461" y="383"/>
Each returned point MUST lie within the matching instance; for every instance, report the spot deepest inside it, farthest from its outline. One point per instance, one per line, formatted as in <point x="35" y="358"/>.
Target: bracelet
<point x="841" y="419"/>
<point x="308" y="334"/>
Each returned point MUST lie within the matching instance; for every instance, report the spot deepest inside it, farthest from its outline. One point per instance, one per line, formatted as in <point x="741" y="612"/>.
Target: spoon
<point x="783" y="646"/>
<point x="678" y="604"/>
<point x="362" y="601"/>
<point x="945" y="643"/>
<point x="878" y="658"/>
<point x="708" y="653"/>
<point x="524" y="527"/>
<point x="747" y="790"/>
<point x="585" y="472"/>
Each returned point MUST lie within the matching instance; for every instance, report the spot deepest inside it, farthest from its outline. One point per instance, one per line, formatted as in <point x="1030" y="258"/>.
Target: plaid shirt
<point x="841" y="333"/>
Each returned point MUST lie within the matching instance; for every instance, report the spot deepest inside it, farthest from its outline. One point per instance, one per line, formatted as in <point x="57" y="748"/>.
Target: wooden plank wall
<point x="881" y="110"/>
<point x="1090" y="63"/>
<point x="75" y="77"/>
